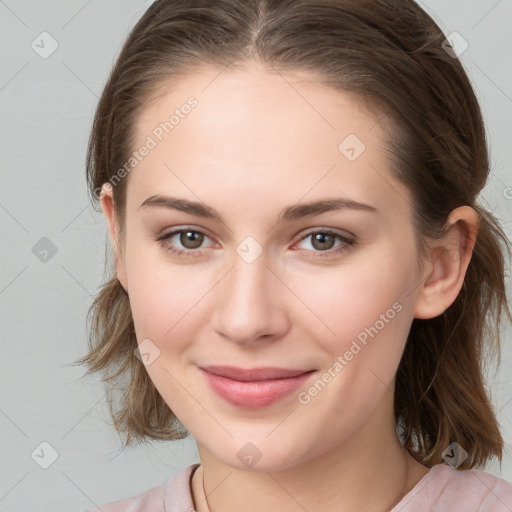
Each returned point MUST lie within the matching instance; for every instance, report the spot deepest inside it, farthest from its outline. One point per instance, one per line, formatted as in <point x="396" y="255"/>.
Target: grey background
<point x="46" y="110"/>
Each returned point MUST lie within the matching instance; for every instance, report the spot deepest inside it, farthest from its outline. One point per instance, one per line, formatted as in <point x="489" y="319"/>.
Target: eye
<point x="189" y="238"/>
<point x="323" y="243"/>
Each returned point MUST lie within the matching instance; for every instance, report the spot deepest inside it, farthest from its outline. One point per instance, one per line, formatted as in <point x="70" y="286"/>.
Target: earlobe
<point x="449" y="259"/>
<point x="107" y="205"/>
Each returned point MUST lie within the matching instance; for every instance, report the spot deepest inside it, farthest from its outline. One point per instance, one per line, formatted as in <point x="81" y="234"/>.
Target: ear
<point x="448" y="261"/>
<point x="107" y="205"/>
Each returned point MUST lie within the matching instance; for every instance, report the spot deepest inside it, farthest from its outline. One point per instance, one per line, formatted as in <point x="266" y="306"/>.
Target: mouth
<point x="255" y="387"/>
<point x="253" y="374"/>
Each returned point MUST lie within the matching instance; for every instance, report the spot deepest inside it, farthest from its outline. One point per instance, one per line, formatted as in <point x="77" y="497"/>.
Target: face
<point x="265" y="281"/>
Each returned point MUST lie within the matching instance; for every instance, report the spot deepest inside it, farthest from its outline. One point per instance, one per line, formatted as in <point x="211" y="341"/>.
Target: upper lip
<point x="253" y="374"/>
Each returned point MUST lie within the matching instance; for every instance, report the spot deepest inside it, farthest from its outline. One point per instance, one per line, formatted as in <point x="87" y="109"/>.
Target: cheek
<point x="163" y="304"/>
<point x="162" y="293"/>
<point x="361" y="312"/>
<point x="343" y="301"/>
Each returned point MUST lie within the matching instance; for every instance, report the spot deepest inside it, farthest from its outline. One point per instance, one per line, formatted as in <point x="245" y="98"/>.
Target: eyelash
<point x="193" y="253"/>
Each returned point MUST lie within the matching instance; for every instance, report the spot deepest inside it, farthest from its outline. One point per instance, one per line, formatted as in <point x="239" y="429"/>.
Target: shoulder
<point x="173" y="496"/>
<point x="445" y="488"/>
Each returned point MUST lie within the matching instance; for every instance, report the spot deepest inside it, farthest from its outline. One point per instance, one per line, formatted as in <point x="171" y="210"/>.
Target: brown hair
<point x="390" y="55"/>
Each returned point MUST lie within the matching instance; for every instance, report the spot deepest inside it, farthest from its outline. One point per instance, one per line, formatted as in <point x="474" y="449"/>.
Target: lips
<point x="253" y="374"/>
<point x="254" y="387"/>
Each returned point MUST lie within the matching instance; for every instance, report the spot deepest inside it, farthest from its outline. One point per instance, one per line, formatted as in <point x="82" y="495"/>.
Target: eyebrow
<point x="289" y="213"/>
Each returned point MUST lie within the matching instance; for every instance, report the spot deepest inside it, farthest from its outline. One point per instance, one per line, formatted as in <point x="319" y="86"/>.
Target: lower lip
<point x="254" y="394"/>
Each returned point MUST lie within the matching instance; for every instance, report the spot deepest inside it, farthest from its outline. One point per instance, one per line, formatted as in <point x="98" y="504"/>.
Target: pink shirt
<point x="442" y="489"/>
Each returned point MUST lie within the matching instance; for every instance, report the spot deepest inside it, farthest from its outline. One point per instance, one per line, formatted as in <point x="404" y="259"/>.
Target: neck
<point x="365" y="472"/>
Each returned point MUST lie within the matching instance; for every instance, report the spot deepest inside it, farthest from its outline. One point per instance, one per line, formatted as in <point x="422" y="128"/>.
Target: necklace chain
<point x="205" y="500"/>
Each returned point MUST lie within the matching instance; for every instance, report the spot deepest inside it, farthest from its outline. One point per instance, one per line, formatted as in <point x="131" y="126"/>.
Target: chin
<point x="262" y="456"/>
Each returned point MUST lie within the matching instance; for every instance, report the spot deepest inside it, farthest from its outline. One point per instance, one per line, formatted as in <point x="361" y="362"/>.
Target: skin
<point x="257" y="142"/>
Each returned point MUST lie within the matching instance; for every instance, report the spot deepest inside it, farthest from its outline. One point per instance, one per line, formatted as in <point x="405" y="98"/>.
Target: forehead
<point x="255" y="131"/>
<point x="256" y="101"/>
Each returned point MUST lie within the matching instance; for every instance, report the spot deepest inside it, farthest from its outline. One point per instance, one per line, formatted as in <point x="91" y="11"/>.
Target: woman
<point x="305" y="280"/>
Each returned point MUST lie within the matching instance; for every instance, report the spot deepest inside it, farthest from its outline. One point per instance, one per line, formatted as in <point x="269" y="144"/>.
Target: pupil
<point x="192" y="239"/>
<point x="322" y="238"/>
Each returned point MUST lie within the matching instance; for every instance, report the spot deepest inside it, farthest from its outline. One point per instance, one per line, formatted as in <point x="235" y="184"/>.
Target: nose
<point x="251" y="303"/>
